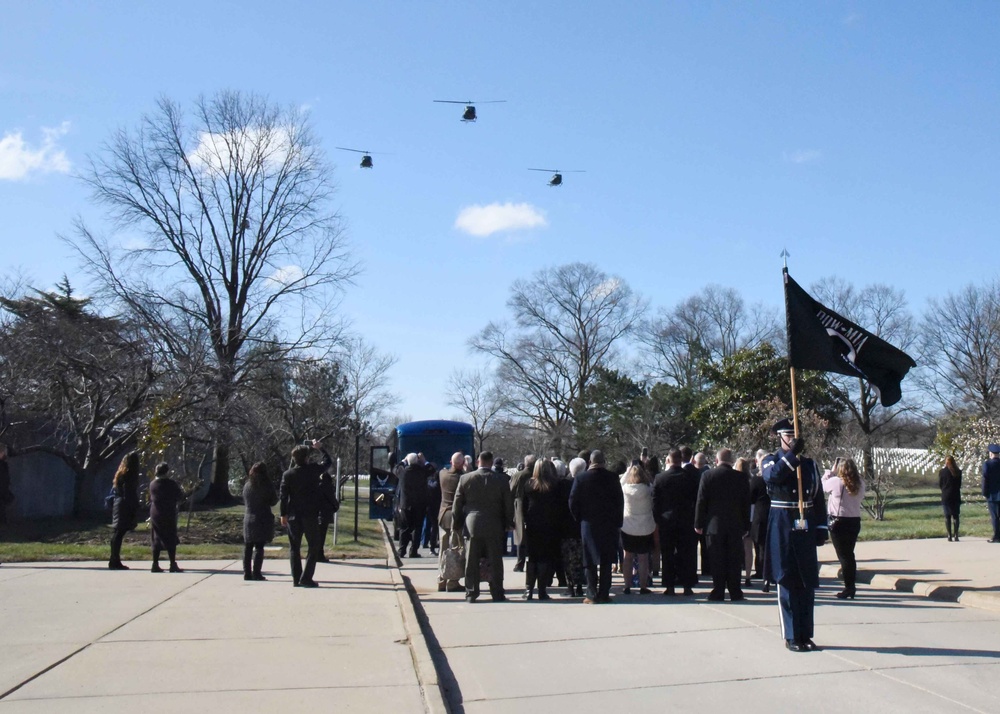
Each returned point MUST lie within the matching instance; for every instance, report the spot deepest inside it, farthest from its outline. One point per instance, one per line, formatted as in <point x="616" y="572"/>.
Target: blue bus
<point x="436" y="439"/>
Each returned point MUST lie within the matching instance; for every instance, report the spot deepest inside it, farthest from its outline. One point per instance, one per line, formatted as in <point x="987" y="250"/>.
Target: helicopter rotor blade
<point x="548" y="171"/>
<point x="451" y="101"/>
<point x="357" y="151"/>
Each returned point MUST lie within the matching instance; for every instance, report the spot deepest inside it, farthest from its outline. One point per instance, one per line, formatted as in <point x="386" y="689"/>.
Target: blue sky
<point x="864" y="136"/>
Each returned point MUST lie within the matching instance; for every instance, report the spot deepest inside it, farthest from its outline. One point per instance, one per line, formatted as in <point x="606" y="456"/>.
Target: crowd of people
<point x="575" y="524"/>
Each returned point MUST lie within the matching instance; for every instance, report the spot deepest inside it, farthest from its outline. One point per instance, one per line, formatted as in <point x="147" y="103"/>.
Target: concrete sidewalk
<point x="965" y="572"/>
<point x="891" y="650"/>
<point x="77" y="637"/>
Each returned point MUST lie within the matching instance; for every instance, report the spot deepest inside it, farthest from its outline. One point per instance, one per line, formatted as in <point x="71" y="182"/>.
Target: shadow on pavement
<point x="917" y="651"/>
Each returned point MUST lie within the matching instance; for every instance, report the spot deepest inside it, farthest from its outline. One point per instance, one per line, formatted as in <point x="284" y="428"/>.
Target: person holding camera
<point x="792" y="537"/>
<point x="300" y="498"/>
<point x="847" y="491"/>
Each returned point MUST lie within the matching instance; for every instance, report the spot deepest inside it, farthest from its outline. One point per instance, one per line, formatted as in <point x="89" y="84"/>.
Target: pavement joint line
<point x="423" y="661"/>
<point x="52" y="666"/>
<point x="664" y="633"/>
<point x="345" y="687"/>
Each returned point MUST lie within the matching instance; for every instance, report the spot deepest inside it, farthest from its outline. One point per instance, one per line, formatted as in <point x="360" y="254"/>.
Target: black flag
<point x="819" y="338"/>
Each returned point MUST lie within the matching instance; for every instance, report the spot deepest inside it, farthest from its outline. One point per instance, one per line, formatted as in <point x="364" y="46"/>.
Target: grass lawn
<point x="214" y="534"/>
<point x="916" y="513"/>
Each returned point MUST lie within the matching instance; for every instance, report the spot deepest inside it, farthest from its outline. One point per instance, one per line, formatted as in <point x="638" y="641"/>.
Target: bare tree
<point x="366" y="372"/>
<point x="567" y="321"/>
<point x="479" y="396"/>
<point x="710" y="325"/>
<point x="961" y="349"/>
<point x="230" y="230"/>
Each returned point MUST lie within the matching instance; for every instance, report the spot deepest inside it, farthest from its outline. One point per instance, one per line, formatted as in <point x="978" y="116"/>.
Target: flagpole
<point x="795" y="425"/>
<point x="795" y="401"/>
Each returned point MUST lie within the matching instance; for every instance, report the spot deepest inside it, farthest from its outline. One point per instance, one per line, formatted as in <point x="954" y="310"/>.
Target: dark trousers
<point x="600" y="549"/>
<point x="253" y="558"/>
<point x="759" y="553"/>
<point x="308" y="527"/>
<point x="410" y="529"/>
<point x="171" y="553"/>
<point x="796" y="608"/>
<point x="430" y="534"/>
<point x="725" y="555"/>
<point x="995" y="517"/>
<point x="679" y="552"/>
<point x="117" y="536"/>
<point x="491" y="549"/>
<point x="844" y="535"/>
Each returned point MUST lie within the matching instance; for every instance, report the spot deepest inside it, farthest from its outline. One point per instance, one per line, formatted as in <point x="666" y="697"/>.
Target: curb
<point x="942" y="591"/>
<point x="423" y="662"/>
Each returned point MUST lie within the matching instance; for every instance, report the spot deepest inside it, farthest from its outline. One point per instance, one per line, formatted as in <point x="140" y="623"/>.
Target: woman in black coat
<point x="258" y="521"/>
<point x="541" y="508"/>
<point x="164" y="496"/>
<point x="950" y="483"/>
<point x="125" y="509"/>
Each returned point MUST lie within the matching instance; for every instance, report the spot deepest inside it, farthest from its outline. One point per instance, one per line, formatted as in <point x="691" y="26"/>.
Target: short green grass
<point x="214" y="534"/>
<point x="916" y="512"/>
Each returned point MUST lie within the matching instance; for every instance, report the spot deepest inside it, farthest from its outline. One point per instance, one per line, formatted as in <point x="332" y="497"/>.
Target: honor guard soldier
<point x="791" y="538"/>
<point x="991" y="489"/>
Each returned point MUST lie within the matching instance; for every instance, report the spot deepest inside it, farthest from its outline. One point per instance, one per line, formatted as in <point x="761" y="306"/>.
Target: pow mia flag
<point x="819" y="338"/>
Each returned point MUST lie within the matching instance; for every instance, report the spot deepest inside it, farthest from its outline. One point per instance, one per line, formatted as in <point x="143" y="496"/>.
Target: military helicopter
<point x="366" y="157"/>
<point x="470" y="110"/>
<point x="556" y="179"/>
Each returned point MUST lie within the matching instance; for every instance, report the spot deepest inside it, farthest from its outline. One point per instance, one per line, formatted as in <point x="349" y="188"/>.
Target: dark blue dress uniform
<point x="991" y="489"/>
<point x="791" y="560"/>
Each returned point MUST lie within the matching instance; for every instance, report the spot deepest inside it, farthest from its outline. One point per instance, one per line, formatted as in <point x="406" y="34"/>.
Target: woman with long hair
<point x="125" y="509"/>
<point x="950" y="483"/>
<point x="164" y="497"/>
<point x="541" y="510"/>
<point x="637" y="528"/>
<point x="258" y="521"/>
<point x="743" y="466"/>
<point x="847" y="490"/>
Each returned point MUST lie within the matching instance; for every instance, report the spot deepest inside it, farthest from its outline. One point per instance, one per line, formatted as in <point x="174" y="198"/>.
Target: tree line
<point x="582" y="362"/>
<point x="212" y="326"/>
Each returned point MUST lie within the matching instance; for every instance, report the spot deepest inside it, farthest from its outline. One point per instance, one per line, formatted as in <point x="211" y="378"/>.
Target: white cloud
<point x="218" y="151"/>
<point x="286" y="275"/>
<point x="803" y="156"/>
<point x="18" y="159"/>
<point x="484" y="221"/>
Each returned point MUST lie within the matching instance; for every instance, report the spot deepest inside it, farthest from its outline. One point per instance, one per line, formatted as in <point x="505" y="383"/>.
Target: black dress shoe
<point x="529" y="594"/>
<point x="795" y="646"/>
<point x="715" y="597"/>
<point x="258" y="576"/>
<point x="736" y="597"/>
<point x="669" y="592"/>
<point x="470" y="597"/>
<point x="766" y="587"/>
<point x="688" y="592"/>
<point x="519" y="568"/>
<point x="499" y="598"/>
<point x="810" y="646"/>
<point x="845" y="595"/>
<point x="308" y="584"/>
<point x="117" y="566"/>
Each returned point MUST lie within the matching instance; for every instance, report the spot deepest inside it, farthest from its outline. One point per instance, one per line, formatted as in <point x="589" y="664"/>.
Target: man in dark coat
<point x="430" y="527"/>
<point x="760" y="507"/>
<point x="412" y="490"/>
<point x="791" y="559"/>
<point x="300" y="498"/>
<point x="597" y="503"/>
<point x="448" y="483"/>
<point x="722" y="513"/>
<point x="675" y="492"/>
<point x="485" y="507"/>
<point x="6" y="495"/>
<point x="517" y="484"/>
<point x="991" y="489"/>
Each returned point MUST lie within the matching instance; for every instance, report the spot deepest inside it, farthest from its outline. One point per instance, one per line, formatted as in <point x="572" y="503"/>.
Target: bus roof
<point x="434" y="426"/>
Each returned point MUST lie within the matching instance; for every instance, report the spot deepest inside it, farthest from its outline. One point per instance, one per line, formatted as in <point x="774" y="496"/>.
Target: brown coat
<point x="448" y="480"/>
